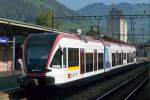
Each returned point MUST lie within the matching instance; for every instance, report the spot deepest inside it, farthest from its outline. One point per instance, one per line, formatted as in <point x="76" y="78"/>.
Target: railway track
<point x="101" y="86"/>
<point x="137" y="89"/>
<point x="10" y="89"/>
<point x="53" y="93"/>
<point x="127" y="89"/>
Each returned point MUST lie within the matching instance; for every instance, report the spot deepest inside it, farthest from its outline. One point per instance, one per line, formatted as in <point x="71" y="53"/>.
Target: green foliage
<point x="28" y="10"/>
<point x="44" y="18"/>
<point x="92" y="32"/>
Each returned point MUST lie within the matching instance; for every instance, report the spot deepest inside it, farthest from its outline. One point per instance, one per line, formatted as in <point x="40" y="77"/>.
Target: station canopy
<point x="13" y="26"/>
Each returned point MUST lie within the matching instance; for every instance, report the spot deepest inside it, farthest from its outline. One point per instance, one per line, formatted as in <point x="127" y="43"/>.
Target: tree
<point x="92" y="32"/>
<point x="44" y="18"/>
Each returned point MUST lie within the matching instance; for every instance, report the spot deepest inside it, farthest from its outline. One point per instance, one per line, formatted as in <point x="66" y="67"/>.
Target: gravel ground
<point x="100" y="87"/>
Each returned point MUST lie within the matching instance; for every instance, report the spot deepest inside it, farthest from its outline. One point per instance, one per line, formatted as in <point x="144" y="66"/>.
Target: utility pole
<point x="133" y="30"/>
<point x="143" y="41"/>
<point x="98" y="26"/>
<point x="113" y="2"/>
<point x="112" y="24"/>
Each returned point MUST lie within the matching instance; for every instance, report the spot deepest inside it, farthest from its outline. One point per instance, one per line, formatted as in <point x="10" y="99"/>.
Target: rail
<point x="136" y="89"/>
<point x="112" y="91"/>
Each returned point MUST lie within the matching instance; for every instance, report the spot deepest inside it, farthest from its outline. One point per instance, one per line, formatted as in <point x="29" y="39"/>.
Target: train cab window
<point x="64" y="58"/>
<point x="89" y="62"/>
<point x="57" y="59"/>
<point x="100" y="60"/>
<point x="73" y="57"/>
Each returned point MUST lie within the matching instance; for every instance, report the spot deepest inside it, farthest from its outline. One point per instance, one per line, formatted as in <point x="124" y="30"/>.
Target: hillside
<point x="27" y="10"/>
<point x="102" y="9"/>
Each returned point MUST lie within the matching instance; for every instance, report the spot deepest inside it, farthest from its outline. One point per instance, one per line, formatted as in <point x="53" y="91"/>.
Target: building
<point x="117" y="26"/>
<point x="12" y="36"/>
<point x="6" y="54"/>
<point x="143" y="50"/>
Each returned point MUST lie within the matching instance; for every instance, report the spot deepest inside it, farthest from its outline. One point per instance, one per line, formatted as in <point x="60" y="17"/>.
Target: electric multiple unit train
<point x="59" y="58"/>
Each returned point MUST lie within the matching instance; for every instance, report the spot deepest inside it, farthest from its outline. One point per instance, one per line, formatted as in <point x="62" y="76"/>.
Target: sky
<point x="78" y="4"/>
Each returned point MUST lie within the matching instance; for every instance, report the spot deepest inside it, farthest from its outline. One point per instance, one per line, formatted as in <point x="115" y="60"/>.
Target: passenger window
<point x="134" y="52"/>
<point x="64" y="58"/>
<point x="124" y="56"/>
<point x="73" y="57"/>
<point x="89" y="62"/>
<point x="95" y="60"/>
<point x="113" y="59"/>
<point x="57" y="59"/>
<point x="100" y="60"/>
<point x="128" y="57"/>
<point x="119" y="58"/>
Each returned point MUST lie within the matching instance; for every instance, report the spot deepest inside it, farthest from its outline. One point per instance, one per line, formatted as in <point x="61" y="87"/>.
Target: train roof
<point x="106" y="40"/>
<point x="111" y="40"/>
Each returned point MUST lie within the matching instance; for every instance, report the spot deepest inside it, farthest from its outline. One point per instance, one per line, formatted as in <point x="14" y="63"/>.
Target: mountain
<point x="94" y="9"/>
<point x="27" y="10"/>
<point x="128" y="9"/>
<point x="102" y="9"/>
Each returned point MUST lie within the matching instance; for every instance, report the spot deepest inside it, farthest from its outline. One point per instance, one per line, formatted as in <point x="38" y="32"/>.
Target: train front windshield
<point x="37" y="51"/>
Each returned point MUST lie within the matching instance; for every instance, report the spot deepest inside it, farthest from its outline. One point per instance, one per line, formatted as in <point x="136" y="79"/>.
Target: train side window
<point x="95" y="60"/>
<point x="128" y="58"/>
<point x="89" y="62"/>
<point x="113" y="59"/>
<point x="73" y="57"/>
<point x="64" y="58"/>
<point x="100" y="60"/>
<point x="124" y="56"/>
<point x="119" y="58"/>
<point x="134" y="53"/>
<point x="57" y="59"/>
<point x="133" y="57"/>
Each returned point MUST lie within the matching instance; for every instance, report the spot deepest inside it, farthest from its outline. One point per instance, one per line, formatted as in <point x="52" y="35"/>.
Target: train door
<point x="82" y="61"/>
<point x="107" y="64"/>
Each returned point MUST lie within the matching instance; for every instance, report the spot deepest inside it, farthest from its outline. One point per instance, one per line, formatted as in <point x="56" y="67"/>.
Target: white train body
<point x="70" y="57"/>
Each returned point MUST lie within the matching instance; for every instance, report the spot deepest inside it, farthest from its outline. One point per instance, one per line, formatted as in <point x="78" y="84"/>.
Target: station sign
<point x="4" y="40"/>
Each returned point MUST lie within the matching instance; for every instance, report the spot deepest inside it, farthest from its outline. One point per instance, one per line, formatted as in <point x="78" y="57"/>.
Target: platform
<point x="4" y="96"/>
<point x="9" y="73"/>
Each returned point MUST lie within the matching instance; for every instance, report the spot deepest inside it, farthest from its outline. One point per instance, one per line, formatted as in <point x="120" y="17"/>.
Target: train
<point x="60" y="58"/>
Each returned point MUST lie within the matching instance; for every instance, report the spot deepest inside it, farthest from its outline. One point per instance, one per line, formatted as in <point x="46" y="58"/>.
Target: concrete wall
<point x="123" y="30"/>
<point x="117" y="29"/>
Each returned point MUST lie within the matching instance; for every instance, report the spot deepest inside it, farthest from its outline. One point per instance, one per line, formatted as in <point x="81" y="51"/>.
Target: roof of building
<point x="22" y="27"/>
